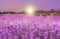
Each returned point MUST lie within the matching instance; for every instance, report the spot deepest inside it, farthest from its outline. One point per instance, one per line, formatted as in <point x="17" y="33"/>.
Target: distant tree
<point x="4" y="12"/>
<point x="0" y="12"/>
<point x="12" y="12"/>
<point x="41" y="11"/>
<point x="52" y="10"/>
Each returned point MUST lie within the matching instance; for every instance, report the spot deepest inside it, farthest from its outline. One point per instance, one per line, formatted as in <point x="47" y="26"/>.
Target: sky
<point x="19" y="5"/>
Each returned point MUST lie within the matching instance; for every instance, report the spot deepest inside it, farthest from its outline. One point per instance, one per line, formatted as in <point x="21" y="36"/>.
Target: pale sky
<point x="19" y="5"/>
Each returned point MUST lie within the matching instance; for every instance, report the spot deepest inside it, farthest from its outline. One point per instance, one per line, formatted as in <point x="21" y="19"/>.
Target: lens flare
<point x="30" y="10"/>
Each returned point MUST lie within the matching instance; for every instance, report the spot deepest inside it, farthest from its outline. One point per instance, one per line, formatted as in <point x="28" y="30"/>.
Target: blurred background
<point x="41" y="7"/>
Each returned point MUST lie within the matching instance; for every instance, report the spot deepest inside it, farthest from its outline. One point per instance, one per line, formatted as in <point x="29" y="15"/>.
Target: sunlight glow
<point x="30" y="10"/>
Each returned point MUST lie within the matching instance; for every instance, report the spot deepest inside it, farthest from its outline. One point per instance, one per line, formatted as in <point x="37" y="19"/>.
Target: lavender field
<point x="19" y="26"/>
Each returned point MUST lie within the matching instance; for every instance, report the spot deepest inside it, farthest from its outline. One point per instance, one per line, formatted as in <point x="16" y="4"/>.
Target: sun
<point x="30" y="10"/>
